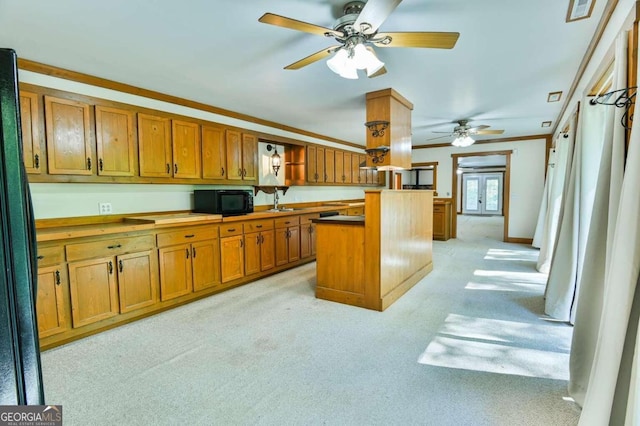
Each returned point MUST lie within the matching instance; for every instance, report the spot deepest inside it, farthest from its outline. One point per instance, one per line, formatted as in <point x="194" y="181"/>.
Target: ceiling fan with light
<point x="463" y="132"/>
<point x="357" y="32"/>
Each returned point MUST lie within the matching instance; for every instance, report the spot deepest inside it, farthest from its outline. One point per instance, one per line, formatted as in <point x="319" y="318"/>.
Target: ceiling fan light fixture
<point x="463" y="141"/>
<point x="342" y="64"/>
<point x="373" y="63"/>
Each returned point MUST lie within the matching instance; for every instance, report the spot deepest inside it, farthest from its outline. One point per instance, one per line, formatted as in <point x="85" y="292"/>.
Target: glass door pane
<point x="471" y="190"/>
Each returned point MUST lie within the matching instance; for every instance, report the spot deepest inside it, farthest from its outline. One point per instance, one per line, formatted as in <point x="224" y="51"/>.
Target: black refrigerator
<point x="20" y="373"/>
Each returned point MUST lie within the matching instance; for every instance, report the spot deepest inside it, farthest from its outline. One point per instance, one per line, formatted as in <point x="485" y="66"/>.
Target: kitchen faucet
<point x="276" y="198"/>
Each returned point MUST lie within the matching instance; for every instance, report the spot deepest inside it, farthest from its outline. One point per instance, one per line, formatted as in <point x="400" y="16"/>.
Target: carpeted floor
<point x="468" y="345"/>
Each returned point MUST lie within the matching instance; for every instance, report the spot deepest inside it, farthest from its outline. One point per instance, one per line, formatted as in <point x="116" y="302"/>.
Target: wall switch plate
<point x="105" y="208"/>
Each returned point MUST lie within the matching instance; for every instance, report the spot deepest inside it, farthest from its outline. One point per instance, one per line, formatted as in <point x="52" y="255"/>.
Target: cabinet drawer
<point x="229" y="229"/>
<point x="188" y="235"/>
<point x="48" y="256"/>
<point x="438" y="208"/>
<point x="287" y="221"/>
<point x="257" y="225"/>
<point x="355" y="211"/>
<point x="306" y="219"/>
<point x="110" y="247"/>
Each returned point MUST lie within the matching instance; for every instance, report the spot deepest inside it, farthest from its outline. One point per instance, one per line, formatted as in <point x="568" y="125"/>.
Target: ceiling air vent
<point x="580" y="9"/>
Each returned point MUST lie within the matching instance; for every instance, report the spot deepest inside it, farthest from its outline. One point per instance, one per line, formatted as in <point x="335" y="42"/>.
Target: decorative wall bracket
<point x="269" y="189"/>
<point x="378" y="153"/>
<point x="622" y="98"/>
<point x="377" y="128"/>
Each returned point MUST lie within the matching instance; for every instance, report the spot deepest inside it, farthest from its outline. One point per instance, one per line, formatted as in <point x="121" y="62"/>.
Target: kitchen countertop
<point x="341" y="220"/>
<point x="151" y="222"/>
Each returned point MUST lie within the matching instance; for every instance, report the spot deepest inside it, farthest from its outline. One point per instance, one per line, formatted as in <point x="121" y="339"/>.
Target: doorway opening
<point x="480" y="193"/>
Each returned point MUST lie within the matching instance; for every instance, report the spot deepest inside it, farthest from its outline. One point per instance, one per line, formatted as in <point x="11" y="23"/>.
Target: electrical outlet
<point x="105" y="208"/>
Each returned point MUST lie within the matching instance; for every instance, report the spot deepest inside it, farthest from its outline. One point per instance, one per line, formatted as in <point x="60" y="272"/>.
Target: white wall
<point x="53" y="200"/>
<point x="527" y="178"/>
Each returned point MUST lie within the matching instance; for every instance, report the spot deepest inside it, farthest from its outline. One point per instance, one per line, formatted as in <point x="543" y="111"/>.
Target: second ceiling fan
<point x="357" y="32"/>
<point x="463" y="132"/>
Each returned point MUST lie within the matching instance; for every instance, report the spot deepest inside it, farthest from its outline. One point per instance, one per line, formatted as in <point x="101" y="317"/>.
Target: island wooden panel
<point x="372" y="264"/>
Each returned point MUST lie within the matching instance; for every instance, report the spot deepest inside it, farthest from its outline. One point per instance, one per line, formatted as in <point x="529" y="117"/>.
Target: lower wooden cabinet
<point x="287" y="240"/>
<point x="442" y="221"/>
<point x="137" y="280"/>
<point x="307" y="236"/>
<point x="50" y="304"/>
<point x="259" y="255"/>
<point x="94" y="293"/>
<point x="188" y="267"/>
<point x="232" y="257"/>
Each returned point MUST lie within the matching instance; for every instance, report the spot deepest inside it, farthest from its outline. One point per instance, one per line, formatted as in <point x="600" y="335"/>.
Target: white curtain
<point x="611" y="394"/>
<point x="568" y="256"/>
<point x="597" y="252"/>
<point x="549" y="215"/>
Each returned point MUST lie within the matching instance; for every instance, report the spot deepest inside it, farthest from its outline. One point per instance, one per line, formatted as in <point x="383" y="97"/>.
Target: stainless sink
<point x="283" y="209"/>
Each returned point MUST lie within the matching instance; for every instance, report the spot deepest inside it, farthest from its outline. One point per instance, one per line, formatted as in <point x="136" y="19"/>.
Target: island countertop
<point x="341" y="220"/>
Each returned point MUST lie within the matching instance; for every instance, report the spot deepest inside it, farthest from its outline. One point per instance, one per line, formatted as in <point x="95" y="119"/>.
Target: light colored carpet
<point x="468" y="345"/>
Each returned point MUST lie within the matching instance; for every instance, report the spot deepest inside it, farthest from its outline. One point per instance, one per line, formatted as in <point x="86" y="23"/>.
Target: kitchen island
<point x="370" y="261"/>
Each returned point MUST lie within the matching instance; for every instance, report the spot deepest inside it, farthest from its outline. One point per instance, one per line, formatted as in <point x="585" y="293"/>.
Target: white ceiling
<point x="510" y="55"/>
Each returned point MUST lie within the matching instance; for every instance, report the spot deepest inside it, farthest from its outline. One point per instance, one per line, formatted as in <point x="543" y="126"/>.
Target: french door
<point x="482" y="193"/>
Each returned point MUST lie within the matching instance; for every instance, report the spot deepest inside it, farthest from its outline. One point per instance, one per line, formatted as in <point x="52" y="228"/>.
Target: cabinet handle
<point x="189" y="236"/>
<point x="89" y="163"/>
<point x="110" y="267"/>
<point x="239" y="172"/>
<point x="175" y="169"/>
<point x="258" y="240"/>
<point x="187" y="253"/>
<point x="261" y="239"/>
<point x="193" y="252"/>
<point x="40" y="257"/>
<point x="287" y="222"/>
<point x="244" y="172"/>
<point x="241" y="243"/>
<point x="326" y="178"/>
<point x="223" y="171"/>
<point x="168" y="168"/>
<point x="231" y="229"/>
<point x="287" y="234"/>
<point x="315" y="176"/>
<point x="120" y="265"/>
<point x="100" y="164"/>
<point x="258" y="226"/>
<point x="57" y="277"/>
<point x="36" y="161"/>
<point x="114" y="246"/>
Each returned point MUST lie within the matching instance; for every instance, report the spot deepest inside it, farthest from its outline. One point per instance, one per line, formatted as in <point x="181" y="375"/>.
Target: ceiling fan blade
<point x="312" y="58"/>
<point x="293" y="24"/>
<point x="449" y="133"/>
<point x="489" y="132"/>
<point x="433" y="40"/>
<point x="475" y="129"/>
<point x="381" y="71"/>
<point x="374" y="14"/>
<point x="438" y="137"/>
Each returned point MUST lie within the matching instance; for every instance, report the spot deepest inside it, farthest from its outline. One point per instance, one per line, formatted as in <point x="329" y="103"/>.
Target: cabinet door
<point x="205" y="257"/>
<point x="213" y="152"/>
<point x="249" y="157"/>
<point x="305" y="241"/>
<point x="50" y="302"/>
<point x="320" y="166"/>
<point x="94" y="296"/>
<point x="68" y="136"/>
<point x="282" y="249"/>
<point x="30" y="131"/>
<point x="313" y="239"/>
<point x="346" y="168"/>
<point x="339" y="167"/>
<point x="137" y="280"/>
<point x="311" y="164"/>
<point x="175" y="271"/>
<point x="293" y="244"/>
<point x="234" y="155"/>
<point x="114" y="141"/>
<point x="232" y="256"/>
<point x="186" y="149"/>
<point x="267" y="250"/>
<point x="252" y="253"/>
<point x="154" y="146"/>
<point x="329" y="165"/>
<point x="355" y="168"/>
<point x="362" y="178"/>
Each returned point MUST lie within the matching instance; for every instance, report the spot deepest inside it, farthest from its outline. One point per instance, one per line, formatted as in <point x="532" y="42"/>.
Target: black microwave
<point x="227" y="202"/>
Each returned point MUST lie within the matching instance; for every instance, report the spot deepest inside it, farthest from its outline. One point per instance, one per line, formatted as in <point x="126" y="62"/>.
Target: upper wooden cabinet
<point x="186" y="149"/>
<point x="242" y="156"/>
<point x="346" y="167"/>
<point x="315" y="164"/>
<point x="154" y="146"/>
<point x="114" y="142"/>
<point x="68" y="125"/>
<point x="214" y="152"/>
<point x="30" y="131"/>
<point x="329" y="165"/>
